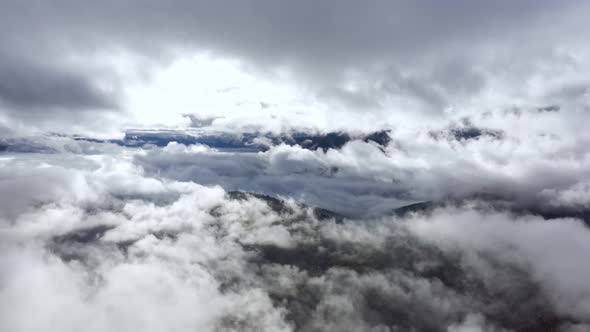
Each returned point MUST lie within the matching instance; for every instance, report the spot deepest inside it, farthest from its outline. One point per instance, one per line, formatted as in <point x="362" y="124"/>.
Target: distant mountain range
<point x="253" y="141"/>
<point x="243" y="141"/>
<point x="480" y="202"/>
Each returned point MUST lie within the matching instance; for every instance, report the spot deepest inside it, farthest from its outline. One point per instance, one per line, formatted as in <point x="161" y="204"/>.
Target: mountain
<point x="245" y="142"/>
<point x="486" y="202"/>
<point x="281" y="207"/>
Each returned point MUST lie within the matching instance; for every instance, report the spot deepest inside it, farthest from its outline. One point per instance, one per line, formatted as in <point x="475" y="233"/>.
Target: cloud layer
<point x="94" y="243"/>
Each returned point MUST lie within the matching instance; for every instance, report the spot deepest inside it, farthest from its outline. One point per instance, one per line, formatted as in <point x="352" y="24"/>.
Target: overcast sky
<point x="107" y="66"/>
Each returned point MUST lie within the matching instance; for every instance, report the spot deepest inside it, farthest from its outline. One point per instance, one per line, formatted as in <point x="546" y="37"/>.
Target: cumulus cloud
<point x="416" y="165"/>
<point x="127" y="251"/>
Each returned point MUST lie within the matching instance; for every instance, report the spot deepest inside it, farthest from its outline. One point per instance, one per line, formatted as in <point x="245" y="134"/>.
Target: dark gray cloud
<point x="26" y="86"/>
<point x="280" y="29"/>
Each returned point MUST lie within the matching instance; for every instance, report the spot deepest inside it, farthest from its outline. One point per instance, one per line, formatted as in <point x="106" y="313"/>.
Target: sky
<point x="71" y="66"/>
<point x="484" y="105"/>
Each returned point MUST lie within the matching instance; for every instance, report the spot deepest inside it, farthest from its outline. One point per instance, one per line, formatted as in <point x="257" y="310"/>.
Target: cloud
<point x="527" y="171"/>
<point x="28" y="86"/>
<point x="512" y="165"/>
<point x="140" y="253"/>
<point x="417" y="59"/>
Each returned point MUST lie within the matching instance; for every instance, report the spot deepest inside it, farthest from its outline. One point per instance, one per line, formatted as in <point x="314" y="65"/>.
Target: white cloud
<point x="178" y="255"/>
